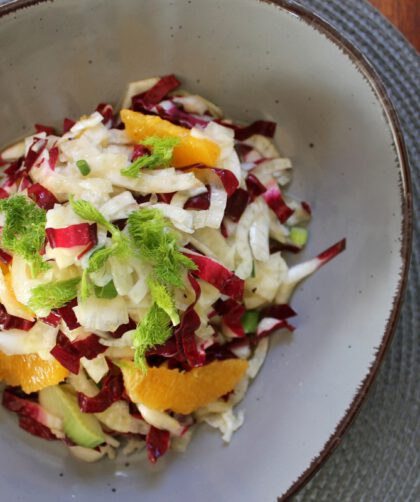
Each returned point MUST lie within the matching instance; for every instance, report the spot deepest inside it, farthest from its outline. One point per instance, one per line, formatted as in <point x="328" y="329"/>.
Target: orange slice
<point x="182" y="392"/>
<point x="30" y="372"/>
<point x="190" y="150"/>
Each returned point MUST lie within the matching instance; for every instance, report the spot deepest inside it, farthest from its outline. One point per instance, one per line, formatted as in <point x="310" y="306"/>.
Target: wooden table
<point x="405" y="15"/>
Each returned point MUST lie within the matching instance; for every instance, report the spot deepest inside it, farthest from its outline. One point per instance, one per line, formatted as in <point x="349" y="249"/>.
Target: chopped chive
<point x="83" y="167"/>
<point x="298" y="236"/>
<point x="250" y="320"/>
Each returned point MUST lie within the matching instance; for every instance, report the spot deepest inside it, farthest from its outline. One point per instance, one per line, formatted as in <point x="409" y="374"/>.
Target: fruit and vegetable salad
<point x="143" y="269"/>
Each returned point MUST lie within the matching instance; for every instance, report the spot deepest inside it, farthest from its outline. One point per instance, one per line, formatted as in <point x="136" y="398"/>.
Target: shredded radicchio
<point x="43" y="197"/>
<point x="218" y="276"/>
<point x="8" y="321"/>
<point x="147" y="100"/>
<point x="68" y="353"/>
<point x="275" y="201"/>
<point x="31" y="414"/>
<point x="5" y="257"/>
<point x="67" y="124"/>
<point x="199" y="202"/>
<point x="68" y="315"/>
<point x="228" y="179"/>
<point x="236" y="204"/>
<point x="112" y="389"/>
<point x="264" y="127"/>
<point x="80" y="234"/>
<point x="157" y="443"/>
<point x="34" y="152"/>
<point x="231" y="313"/>
<point x="43" y="128"/>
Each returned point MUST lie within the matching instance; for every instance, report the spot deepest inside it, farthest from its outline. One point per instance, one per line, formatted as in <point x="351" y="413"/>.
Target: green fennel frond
<point x="163" y="299"/>
<point x="53" y="295"/>
<point x="154" y="329"/>
<point x="157" y="244"/>
<point x="24" y="230"/>
<point x="161" y="156"/>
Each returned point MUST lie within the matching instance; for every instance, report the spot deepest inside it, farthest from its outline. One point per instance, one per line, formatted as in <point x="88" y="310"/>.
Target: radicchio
<point x="147" y="100"/>
<point x="264" y="127"/>
<point x="34" y="152"/>
<point x="43" y="128"/>
<point x="199" y="202"/>
<point x="68" y="353"/>
<point x="157" y="443"/>
<point x="112" y="389"/>
<point x="8" y="321"/>
<point x="228" y="179"/>
<point x="67" y="124"/>
<point x="54" y="153"/>
<point x="185" y="337"/>
<point x="32" y="417"/>
<point x="254" y="186"/>
<point x="15" y="170"/>
<point x="81" y="234"/>
<point x="5" y="257"/>
<point x="139" y="151"/>
<point x="68" y="315"/>
<point x="281" y="312"/>
<point x="236" y="204"/>
<point x="43" y="197"/>
<point x="218" y="276"/>
<point x="175" y="115"/>
<point x="107" y="112"/>
<point x="118" y="333"/>
<point x="231" y="313"/>
<point x="53" y="319"/>
<point x="275" y="202"/>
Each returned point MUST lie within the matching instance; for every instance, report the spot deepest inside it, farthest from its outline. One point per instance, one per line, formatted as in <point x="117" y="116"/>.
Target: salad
<point x="142" y="270"/>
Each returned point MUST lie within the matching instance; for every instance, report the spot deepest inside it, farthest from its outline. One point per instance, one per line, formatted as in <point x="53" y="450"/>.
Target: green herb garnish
<point x="157" y="244"/>
<point x="24" y="230"/>
<point x="154" y="329"/>
<point x="161" y="156"/>
<point x="83" y="166"/>
<point x="53" y="295"/>
<point x="121" y="245"/>
<point x="163" y="300"/>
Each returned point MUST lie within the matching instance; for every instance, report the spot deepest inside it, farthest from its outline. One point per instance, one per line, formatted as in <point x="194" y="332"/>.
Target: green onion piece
<point x="108" y="291"/>
<point x="250" y="321"/>
<point x="83" y="167"/>
<point x="298" y="236"/>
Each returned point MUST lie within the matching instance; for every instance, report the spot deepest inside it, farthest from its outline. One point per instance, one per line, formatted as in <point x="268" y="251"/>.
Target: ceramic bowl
<point x="254" y="58"/>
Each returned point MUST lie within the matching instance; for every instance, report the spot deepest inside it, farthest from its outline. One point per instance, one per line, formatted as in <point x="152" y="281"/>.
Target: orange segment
<point x="30" y="372"/>
<point x="182" y="392"/>
<point x="191" y="150"/>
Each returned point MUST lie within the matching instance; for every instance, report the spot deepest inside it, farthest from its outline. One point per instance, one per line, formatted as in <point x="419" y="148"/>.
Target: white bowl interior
<point x="255" y="60"/>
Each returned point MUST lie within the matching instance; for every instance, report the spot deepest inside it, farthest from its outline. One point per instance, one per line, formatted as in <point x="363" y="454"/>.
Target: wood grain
<point x="405" y="15"/>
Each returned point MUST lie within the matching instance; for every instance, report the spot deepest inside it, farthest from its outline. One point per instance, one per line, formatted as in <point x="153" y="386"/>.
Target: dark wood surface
<point x="405" y="15"/>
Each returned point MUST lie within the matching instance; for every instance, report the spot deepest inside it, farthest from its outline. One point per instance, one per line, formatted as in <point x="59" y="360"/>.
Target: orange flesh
<point x="182" y="392"/>
<point x="30" y="372"/>
<point x="190" y="150"/>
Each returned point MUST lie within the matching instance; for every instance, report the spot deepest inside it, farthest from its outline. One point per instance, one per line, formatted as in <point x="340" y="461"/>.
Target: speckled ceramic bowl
<point x="255" y="58"/>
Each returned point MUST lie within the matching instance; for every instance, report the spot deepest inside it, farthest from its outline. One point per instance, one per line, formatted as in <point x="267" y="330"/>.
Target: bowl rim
<point x="365" y="67"/>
